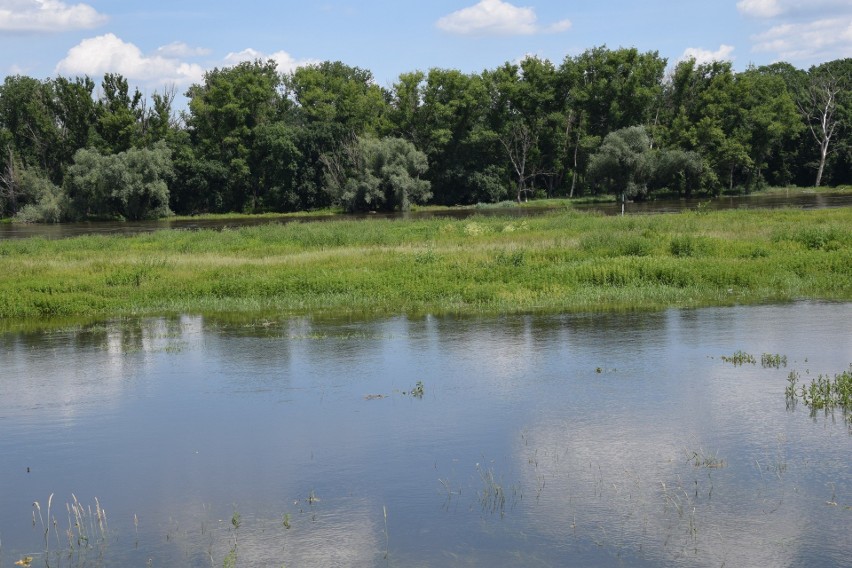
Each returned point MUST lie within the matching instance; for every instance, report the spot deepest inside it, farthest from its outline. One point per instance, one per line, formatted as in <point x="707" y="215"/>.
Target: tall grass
<point x="565" y="261"/>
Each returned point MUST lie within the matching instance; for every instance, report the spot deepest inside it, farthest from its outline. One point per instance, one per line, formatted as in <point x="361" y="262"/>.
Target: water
<point x="64" y="230"/>
<point x="538" y="441"/>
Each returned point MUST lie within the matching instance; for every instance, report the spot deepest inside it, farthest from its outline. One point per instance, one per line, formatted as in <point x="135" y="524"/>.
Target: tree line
<point x="252" y="139"/>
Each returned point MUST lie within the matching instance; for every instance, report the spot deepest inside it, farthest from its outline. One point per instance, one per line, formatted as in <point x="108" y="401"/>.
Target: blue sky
<point x="157" y="43"/>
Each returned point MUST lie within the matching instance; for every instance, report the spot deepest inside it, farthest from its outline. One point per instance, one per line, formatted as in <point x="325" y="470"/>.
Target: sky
<point x="160" y="43"/>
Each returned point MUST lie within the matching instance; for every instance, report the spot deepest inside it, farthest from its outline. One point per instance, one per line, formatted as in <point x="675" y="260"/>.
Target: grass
<point x="560" y="262"/>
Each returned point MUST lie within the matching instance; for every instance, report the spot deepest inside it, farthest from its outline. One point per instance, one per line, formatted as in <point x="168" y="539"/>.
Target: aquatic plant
<point x="740" y="358"/>
<point x="87" y="528"/>
<point x="776" y="361"/>
<point x="701" y="459"/>
<point x="823" y="393"/>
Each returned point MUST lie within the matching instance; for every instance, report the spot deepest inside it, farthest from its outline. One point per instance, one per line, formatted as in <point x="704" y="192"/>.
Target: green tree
<point x="224" y="116"/>
<point x="29" y="124"/>
<point x="340" y="96"/>
<point x="119" y="113"/>
<point x="131" y="184"/>
<point x="467" y="162"/>
<point x="48" y="202"/>
<point x="767" y="116"/>
<point x="372" y="174"/>
<point x="624" y="163"/>
<point x="527" y="115"/>
<point x="75" y="113"/>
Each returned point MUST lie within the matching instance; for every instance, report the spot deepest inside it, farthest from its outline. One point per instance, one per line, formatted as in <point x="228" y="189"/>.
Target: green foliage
<point x="336" y="94"/>
<point x="604" y="121"/>
<point x="561" y="262"/>
<point x="49" y="203"/>
<point x="131" y="184"/>
<point x="740" y="358"/>
<point x="823" y="393"/>
<point x="377" y="174"/>
<point x="624" y="163"/>
<point x="118" y="115"/>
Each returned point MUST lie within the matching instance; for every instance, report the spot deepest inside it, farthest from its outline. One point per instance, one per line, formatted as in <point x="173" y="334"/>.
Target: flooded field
<point x="640" y="439"/>
<point x="768" y="201"/>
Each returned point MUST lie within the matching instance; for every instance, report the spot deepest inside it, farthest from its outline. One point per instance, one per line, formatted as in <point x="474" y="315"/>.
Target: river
<point x="565" y="440"/>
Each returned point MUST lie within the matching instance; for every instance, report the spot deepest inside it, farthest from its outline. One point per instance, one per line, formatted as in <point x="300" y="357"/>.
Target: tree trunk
<point x="574" y="176"/>
<point x="823" y="155"/>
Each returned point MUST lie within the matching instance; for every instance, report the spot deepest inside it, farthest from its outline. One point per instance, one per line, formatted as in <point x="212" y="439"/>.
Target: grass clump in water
<point x="740" y="358"/>
<point x="776" y="361"/>
<point x="823" y="393"/>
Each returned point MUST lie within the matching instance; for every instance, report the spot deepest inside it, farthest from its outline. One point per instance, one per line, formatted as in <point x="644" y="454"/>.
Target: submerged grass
<point x="822" y="393"/>
<point x="564" y="261"/>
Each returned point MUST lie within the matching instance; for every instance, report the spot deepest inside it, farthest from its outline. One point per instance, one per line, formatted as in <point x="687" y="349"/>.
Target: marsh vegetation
<point x="563" y="261"/>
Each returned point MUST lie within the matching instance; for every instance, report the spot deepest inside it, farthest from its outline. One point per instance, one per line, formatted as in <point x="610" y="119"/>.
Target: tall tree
<point x="767" y="115"/>
<point x="32" y="133"/>
<point x="224" y="116"/>
<point x="826" y="106"/>
<point x="76" y="113"/>
<point x="119" y="113"/>
<point x="339" y="95"/>
<point x="465" y="156"/>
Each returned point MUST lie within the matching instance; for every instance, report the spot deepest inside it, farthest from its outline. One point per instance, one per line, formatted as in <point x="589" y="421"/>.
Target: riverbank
<point x="564" y="261"/>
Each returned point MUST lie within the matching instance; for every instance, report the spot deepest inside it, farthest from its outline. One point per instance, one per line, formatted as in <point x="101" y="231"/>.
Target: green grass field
<point x="563" y="261"/>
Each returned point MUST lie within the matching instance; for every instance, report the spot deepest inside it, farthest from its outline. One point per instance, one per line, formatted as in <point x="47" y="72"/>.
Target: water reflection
<point x="539" y="440"/>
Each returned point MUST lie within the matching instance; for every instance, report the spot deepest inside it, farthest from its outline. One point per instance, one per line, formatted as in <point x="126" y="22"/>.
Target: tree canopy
<point x="254" y="139"/>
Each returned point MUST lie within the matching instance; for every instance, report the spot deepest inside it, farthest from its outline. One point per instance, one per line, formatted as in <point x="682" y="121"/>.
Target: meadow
<point x="564" y="261"/>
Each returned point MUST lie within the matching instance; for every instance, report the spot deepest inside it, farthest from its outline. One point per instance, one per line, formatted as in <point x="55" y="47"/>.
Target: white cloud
<point x="811" y="41"/>
<point x="796" y="9"/>
<point x="802" y="31"/>
<point x="724" y="53"/>
<point x="560" y="26"/>
<point x="286" y="62"/>
<point x="495" y="17"/>
<point x="109" y="54"/>
<point x="180" y="49"/>
<point x="47" y="16"/>
<point x="760" y="8"/>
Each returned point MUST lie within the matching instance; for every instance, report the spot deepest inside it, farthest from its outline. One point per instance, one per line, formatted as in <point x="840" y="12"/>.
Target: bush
<point x="50" y="204"/>
<point x="131" y="184"/>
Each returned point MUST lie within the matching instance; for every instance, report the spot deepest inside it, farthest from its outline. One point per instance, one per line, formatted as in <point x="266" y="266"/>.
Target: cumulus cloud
<point x="286" y="62"/>
<point x="47" y="16"/>
<point x="109" y="54"/>
<point x="495" y="17"/>
<point x="700" y="55"/>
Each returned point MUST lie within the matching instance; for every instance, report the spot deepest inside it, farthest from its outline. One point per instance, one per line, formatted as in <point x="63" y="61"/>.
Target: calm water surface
<point x="538" y="441"/>
<point x="64" y="230"/>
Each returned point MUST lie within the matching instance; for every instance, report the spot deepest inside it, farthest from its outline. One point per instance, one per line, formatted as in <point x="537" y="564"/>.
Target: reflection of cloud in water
<point x="347" y="533"/>
<point x="629" y="487"/>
